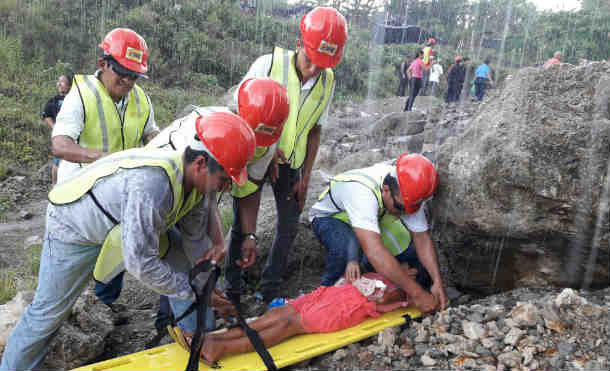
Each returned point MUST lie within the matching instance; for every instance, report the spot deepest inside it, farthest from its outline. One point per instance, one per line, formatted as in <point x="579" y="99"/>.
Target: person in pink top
<point x="555" y="60"/>
<point x="415" y="74"/>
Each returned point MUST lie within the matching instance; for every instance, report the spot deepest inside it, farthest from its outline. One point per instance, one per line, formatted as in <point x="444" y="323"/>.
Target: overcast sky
<point x="557" y="4"/>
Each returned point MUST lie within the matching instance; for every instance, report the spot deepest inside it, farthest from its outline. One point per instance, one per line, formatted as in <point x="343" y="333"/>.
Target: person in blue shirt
<point x="482" y="78"/>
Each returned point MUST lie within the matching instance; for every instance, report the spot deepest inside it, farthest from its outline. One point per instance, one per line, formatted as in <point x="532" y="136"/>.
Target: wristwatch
<point x="251" y="236"/>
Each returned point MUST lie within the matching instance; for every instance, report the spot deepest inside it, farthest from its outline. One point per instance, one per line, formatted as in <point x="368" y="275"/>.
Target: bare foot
<point x="212" y="349"/>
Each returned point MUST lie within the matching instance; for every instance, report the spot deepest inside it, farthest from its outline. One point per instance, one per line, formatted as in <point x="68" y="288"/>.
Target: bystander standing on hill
<point x="453" y="74"/>
<point x="415" y="74"/>
<point x="51" y="109"/>
<point x="436" y="70"/>
<point x="427" y="59"/>
<point x="402" y="75"/>
<point x="555" y="60"/>
<point x="482" y="78"/>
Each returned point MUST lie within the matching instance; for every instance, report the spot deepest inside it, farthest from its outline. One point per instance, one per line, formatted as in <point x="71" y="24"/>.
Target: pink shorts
<point x="332" y="308"/>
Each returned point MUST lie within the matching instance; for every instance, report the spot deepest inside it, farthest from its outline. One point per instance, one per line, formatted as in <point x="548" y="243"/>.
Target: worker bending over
<point x="380" y="211"/>
<point x="123" y="203"/>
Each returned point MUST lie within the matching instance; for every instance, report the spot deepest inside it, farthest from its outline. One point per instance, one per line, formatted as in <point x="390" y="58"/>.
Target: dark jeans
<point x="453" y="91"/>
<point x="287" y="208"/>
<point x="425" y="82"/>
<point x="233" y="272"/>
<point x="480" y="83"/>
<point x="338" y="238"/>
<point x="109" y="292"/>
<point x="404" y="84"/>
<point x="164" y="315"/>
<point x="416" y="84"/>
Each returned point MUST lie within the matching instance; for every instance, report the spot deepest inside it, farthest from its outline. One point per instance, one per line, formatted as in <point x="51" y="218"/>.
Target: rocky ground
<point x="521" y="329"/>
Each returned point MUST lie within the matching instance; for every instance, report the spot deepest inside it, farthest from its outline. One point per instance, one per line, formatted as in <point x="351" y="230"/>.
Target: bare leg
<point x="263" y="322"/>
<point x="279" y="328"/>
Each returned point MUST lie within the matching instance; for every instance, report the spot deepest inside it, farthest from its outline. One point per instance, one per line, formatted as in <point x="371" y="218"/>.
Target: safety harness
<point x="202" y="279"/>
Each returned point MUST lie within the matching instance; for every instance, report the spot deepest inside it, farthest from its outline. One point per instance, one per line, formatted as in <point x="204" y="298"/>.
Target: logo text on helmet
<point x="265" y="129"/>
<point x="328" y="48"/>
<point x="134" y="54"/>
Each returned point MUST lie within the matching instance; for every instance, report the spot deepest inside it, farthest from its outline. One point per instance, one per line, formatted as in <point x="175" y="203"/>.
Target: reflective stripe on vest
<point x="303" y="114"/>
<point x="110" y="261"/>
<point x="104" y="129"/>
<point x="394" y="234"/>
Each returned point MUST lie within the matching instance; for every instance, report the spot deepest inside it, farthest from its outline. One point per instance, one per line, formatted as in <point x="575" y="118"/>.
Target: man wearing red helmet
<point x="308" y="76"/>
<point x="380" y="211"/>
<point x="263" y="104"/>
<point x="105" y="112"/>
<point x="111" y="216"/>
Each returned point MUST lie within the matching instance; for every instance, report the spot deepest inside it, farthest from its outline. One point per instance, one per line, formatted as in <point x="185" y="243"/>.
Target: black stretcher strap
<point x="202" y="279"/>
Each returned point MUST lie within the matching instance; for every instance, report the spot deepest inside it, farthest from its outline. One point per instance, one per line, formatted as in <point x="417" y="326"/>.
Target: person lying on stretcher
<point x="326" y="309"/>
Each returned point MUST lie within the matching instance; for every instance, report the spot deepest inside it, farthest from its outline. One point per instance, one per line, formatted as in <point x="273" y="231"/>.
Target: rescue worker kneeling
<point x="380" y="210"/>
<point x="132" y="197"/>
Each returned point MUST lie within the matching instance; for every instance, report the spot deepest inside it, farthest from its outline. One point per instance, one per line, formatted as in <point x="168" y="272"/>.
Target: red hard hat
<point x="324" y="34"/>
<point x="230" y="140"/>
<point x="431" y="41"/>
<point x="128" y="48"/>
<point x="417" y="179"/>
<point x="457" y="59"/>
<point x="263" y="103"/>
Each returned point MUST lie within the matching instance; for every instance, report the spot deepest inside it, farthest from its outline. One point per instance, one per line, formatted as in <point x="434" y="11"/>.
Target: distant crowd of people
<point x="420" y="75"/>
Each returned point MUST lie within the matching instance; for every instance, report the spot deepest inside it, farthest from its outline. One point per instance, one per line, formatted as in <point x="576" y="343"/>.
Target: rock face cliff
<point x="523" y="197"/>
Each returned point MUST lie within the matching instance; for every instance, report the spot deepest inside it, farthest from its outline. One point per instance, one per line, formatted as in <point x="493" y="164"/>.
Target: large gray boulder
<point x="523" y="197"/>
<point x="82" y="339"/>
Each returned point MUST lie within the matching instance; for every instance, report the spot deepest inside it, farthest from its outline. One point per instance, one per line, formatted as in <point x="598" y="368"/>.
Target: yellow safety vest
<point x="427" y="54"/>
<point x="105" y="129"/>
<point x="110" y="260"/>
<point x="250" y="187"/>
<point x="394" y="234"/>
<point x="303" y="115"/>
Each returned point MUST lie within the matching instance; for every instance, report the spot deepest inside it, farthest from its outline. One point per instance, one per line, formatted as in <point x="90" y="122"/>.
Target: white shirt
<point x="435" y="72"/>
<point x="361" y="205"/>
<point x="261" y="68"/>
<point x="70" y="122"/>
<point x="181" y="132"/>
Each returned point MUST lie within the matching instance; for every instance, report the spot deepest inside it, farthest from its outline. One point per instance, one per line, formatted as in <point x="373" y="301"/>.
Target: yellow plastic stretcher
<point x="289" y="352"/>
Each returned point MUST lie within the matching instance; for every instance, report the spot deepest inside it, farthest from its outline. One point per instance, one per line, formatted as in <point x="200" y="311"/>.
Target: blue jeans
<point x="287" y="222"/>
<point x="340" y="242"/>
<point x="65" y="271"/>
<point x="480" y="84"/>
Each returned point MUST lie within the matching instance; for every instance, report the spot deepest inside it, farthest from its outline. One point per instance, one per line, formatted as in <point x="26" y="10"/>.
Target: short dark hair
<point x="486" y="61"/>
<point x="191" y="155"/>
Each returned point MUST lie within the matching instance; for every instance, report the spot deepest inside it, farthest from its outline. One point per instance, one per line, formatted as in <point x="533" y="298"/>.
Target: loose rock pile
<point x="523" y="329"/>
